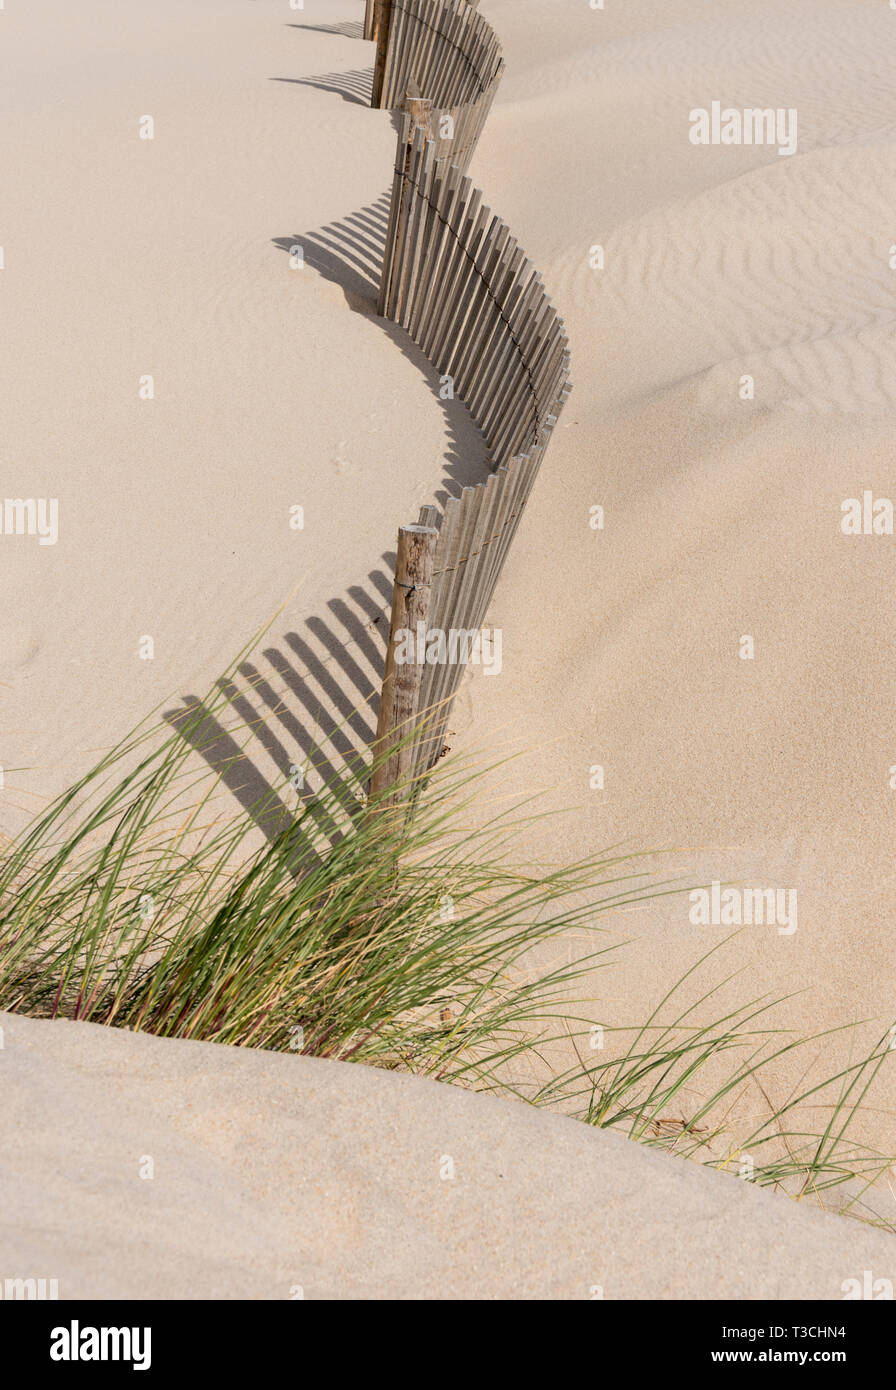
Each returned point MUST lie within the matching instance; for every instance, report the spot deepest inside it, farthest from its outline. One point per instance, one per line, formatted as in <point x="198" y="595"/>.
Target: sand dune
<point x="272" y="1173"/>
<point x="276" y="387"/>
<point x="722" y="515"/>
<point x="783" y="273"/>
<point x="272" y="387"/>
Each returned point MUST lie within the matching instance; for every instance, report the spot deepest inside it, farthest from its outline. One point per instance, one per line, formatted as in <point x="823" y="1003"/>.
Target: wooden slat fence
<point x="456" y="279"/>
<point x="448" y="52"/>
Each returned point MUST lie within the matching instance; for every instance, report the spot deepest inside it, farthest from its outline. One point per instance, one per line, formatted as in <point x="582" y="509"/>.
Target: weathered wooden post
<point x="369" y="20"/>
<point x="393" y="749"/>
<point x="419" y="109"/>
<point x="382" y="19"/>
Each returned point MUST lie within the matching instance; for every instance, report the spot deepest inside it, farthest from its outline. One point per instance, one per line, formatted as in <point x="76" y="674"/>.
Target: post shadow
<point x="355" y="87"/>
<point x="347" y="28"/>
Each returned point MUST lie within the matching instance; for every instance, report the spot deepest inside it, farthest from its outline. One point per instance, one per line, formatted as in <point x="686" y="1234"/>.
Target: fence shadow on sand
<point x="311" y="700"/>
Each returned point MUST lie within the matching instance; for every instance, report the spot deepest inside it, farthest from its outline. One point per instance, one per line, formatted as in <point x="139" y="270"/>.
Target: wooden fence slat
<point x="467" y="200"/>
<point x="430" y="236"/>
<point x="471" y="219"/>
<point x="401" y="229"/>
<point x="447" y="51"/>
<point x="472" y="598"/>
<point x="469" y="599"/>
<point x="441" y="564"/>
<point x="519" y="477"/>
<point x="542" y="372"/>
<point x="507" y="365"/>
<point x="485" y="374"/>
<point x="418" y="209"/>
<point x="479" y="249"/>
<point x="434" y="247"/>
<point x="519" y="407"/>
<point x="500" y="526"/>
<point x="397" y="216"/>
<point x="431" y="254"/>
<point x="401" y="680"/>
<point x="445" y="347"/>
<point x="394" y="213"/>
<point x="485" y="305"/>
<point x="432" y="41"/>
<point x="447" y="616"/>
<point x="455" y="79"/>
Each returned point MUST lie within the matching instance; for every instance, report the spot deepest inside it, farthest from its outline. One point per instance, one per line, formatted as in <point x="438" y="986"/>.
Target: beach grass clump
<point x="310" y="921"/>
<point x="139" y="899"/>
<point x="684" y="1085"/>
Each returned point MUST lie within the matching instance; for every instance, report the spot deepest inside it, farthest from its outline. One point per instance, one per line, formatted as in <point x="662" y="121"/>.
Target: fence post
<point x="370" y="20"/>
<point x="419" y="109"/>
<point x="401" y="679"/>
<point x="382" y="20"/>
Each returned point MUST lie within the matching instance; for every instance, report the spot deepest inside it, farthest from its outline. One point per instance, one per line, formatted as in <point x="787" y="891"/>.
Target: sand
<point x="276" y="388"/>
<point x="271" y="1176"/>
<point x="721" y="516"/>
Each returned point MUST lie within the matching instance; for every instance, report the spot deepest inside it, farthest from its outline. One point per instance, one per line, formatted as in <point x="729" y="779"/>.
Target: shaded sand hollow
<point x="276" y="388"/>
<point x="264" y="1175"/>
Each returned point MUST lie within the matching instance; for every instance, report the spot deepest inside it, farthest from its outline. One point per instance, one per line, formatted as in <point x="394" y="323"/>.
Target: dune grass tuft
<point x="310" y="922"/>
<point x="138" y="900"/>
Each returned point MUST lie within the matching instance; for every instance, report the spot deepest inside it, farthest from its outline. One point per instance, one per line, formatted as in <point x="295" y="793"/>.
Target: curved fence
<point x="446" y="51"/>
<point x="455" y="278"/>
